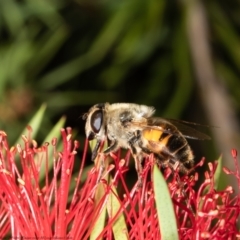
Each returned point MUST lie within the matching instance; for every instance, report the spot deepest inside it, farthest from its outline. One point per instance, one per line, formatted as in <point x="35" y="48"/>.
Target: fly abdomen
<point x="170" y="149"/>
<point x="180" y="150"/>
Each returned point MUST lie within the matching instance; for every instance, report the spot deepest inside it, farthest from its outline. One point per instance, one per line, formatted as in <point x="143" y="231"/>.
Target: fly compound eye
<point x="96" y="121"/>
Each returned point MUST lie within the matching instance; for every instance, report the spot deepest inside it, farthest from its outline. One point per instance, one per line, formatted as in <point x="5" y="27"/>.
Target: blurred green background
<point x="183" y="57"/>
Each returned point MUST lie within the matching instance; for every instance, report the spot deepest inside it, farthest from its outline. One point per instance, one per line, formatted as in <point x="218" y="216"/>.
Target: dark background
<point x="183" y="57"/>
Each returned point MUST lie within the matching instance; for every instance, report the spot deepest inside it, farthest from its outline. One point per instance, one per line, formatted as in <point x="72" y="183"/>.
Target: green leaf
<point x="218" y="173"/>
<point x="93" y="142"/>
<point x="113" y="206"/>
<point x="54" y="133"/>
<point x="100" y="222"/>
<point x="100" y="193"/>
<point x="165" y="211"/>
<point x="34" y="123"/>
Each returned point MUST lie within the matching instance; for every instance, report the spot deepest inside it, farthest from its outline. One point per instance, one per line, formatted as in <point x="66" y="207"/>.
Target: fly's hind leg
<point x="182" y="168"/>
<point x="185" y="168"/>
<point x="137" y="157"/>
<point x="183" y="165"/>
<point x="139" y="168"/>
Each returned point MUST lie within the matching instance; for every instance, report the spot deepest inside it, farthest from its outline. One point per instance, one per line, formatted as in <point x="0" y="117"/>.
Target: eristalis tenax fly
<point x="131" y="126"/>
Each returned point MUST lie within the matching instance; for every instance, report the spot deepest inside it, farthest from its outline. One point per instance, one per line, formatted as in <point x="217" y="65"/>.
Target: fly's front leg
<point x="101" y="166"/>
<point x="95" y="150"/>
<point x="113" y="147"/>
<point x="99" y="163"/>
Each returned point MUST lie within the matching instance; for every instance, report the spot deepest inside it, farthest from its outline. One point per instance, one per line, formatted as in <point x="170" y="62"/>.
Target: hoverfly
<point x="131" y="126"/>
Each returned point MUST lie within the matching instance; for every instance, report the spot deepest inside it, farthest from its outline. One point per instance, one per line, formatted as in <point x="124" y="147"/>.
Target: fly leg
<point x="133" y="143"/>
<point x="139" y="168"/>
<point x="175" y="165"/>
<point x="111" y="148"/>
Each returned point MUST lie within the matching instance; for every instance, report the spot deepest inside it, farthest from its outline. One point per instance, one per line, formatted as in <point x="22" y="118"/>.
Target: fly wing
<point x="173" y="127"/>
<point x="156" y="123"/>
<point x="188" y="131"/>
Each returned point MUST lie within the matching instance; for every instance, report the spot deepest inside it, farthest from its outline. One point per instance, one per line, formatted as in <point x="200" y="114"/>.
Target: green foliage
<point x="166" y="216"/>
<point x="72" y="54"/>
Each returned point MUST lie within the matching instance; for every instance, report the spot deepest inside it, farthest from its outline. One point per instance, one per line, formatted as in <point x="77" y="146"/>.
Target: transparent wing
<point x="174" y="127"/>
<point x="189" y="132"/>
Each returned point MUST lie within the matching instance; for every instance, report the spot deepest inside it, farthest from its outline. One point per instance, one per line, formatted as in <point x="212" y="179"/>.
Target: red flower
<point x="104" y="206"/>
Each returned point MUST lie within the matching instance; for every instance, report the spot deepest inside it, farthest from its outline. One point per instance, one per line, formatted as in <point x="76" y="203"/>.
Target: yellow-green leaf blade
<point x="54" y="133"/>
<point x="35" y="123"/>
<point x="119" y="226"/>
<point x="100" y="222"/>
<point x="165" y="211"/>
